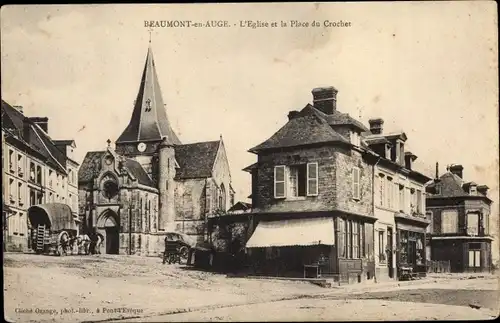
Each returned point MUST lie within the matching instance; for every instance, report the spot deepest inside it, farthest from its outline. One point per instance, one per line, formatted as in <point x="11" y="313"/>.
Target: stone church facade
<point x="150" y="183"/>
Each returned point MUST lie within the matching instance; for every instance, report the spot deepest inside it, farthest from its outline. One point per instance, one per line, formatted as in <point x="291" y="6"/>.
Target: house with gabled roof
<point x="150" y="183"/>
<point x="36" y="170"/>
<point x="460" y="214"/>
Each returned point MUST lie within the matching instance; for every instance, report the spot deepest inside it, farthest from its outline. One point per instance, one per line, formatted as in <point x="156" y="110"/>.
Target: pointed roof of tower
<point x="149" y="120"/>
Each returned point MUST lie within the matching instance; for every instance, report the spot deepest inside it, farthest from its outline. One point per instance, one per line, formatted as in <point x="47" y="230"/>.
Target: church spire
<point x="149" y="120"/>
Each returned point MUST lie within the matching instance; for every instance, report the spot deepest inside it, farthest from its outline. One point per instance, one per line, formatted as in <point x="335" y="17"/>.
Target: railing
<point x="438" y="266"/>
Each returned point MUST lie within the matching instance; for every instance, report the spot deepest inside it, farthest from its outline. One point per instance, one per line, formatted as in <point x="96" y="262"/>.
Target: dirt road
<point x="95" y="288"/>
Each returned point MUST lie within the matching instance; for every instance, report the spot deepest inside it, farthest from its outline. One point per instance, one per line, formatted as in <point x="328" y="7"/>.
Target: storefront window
<point x="342" y="240"/>
<point x="403" y="246"/>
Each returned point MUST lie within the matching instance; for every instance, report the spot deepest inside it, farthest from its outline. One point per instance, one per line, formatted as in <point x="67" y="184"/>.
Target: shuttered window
<point x="279" y="181"/>
<point x="312" y="179"/>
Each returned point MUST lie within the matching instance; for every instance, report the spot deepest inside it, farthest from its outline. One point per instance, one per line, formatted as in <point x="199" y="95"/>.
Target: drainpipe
<point x="130" y="230"/>
<point x="373" y="212"/>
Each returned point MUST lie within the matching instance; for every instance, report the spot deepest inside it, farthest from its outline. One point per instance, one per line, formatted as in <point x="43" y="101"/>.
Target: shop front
<point x="411" y="259"/>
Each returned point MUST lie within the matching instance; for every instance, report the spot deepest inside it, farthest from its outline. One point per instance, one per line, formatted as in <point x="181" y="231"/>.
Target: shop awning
<point x="293" y="232"/>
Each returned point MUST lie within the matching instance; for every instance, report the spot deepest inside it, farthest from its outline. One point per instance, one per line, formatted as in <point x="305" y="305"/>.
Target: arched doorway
<point x="108" y="226"/>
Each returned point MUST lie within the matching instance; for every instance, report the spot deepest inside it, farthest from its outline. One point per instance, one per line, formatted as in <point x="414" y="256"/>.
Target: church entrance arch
<point x="108" y="226"/>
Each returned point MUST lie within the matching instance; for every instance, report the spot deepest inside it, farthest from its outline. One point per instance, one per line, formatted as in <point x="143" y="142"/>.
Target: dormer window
<point x="355" y="138"/>
<point x="473" y="190"/>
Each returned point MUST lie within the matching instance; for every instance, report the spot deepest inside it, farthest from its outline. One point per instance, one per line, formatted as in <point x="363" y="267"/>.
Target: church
<point x="150" y="183"/>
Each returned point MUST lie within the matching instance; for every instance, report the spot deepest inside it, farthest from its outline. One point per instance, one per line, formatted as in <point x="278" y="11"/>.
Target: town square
<point x="256" y="171"/>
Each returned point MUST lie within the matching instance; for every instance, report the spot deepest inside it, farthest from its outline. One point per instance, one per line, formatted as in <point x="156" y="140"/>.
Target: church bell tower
<point x="149" y="125"/>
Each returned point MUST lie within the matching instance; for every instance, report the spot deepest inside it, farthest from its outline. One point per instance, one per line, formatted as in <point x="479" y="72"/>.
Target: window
<point x="381" y="189"/>
<point x="473" y="224"/>
<point x="296" y="180"/>
<point x="428" y="216"/>
<point x="222" y="198"/>
<point x="449" y="221"/>
<point x="413" y="201"/>
<point x="20" y="194"/>
<point x="39" y="175"/>
<point x="12" y="191"/>
<point x="110" y="189"/>
<point x="381" y="246"/>
<point x="342" y="238"/>
<point x="473" y="190"/>
<point x="355" y="240"/>
<point x="11" y="161"/>
<point x="312" y="179"/>
<point x="32" y="171"/>
<point x="349" y="239"/>
<point x="388" y="194"/>
<point x="39" y="198"/>
<point x="279" y="181"/>
<point x="355" y="183"/>
<point x="20" y="165"/>
<point x="401" y="198"/>
<point x="486" y="223"/>
<point x="50" y="178"/>
<point x="474" y="258"/>
<point x="362" y="239"/>
<point x="32" y="197"/>
<point x="419" y="202"/>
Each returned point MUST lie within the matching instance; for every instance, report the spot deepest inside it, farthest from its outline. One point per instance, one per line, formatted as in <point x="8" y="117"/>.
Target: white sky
<point x="429" y="69"/>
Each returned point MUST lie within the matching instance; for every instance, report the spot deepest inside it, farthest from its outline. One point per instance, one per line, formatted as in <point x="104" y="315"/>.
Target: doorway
<point x="389" y="253"/>
<point x="107" y="225"/>
<point x="112" y="239"/>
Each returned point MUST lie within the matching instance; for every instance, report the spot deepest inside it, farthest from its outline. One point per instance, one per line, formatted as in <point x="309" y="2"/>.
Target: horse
<point x="97" y="241"/>
<point x="83" y="243"/>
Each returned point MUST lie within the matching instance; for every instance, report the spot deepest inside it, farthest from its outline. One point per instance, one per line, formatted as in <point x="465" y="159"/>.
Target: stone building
<point x="313" y="196"/>
<point x="151" y="183"/>
<point x="399" y="205"/>
<point x="36" y="170"/>
<point x="460" y="221"/>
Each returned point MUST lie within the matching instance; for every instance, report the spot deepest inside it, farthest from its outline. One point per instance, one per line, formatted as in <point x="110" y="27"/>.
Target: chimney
<point x="19" y="108"/>
<point x="293" y="115"/>
<point x="376" y="126"/>
<point x="457" y="170"/>
<point x="43" y="122"/>
<point x="325" y="99"/>
<point x="437" y="170"/>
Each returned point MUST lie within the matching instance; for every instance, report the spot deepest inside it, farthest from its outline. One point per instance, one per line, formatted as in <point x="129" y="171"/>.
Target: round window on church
<point x="110" y="189"/>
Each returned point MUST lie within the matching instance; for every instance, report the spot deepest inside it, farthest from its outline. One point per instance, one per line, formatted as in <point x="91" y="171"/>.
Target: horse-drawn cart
<point x="177" y="247"/>
<point x="53" y="228"/>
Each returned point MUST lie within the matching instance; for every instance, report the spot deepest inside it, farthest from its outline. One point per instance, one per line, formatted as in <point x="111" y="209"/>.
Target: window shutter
<point x="279" y="181"/>
<point x="312" y="179"/>
<point x="355" y="180"/>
